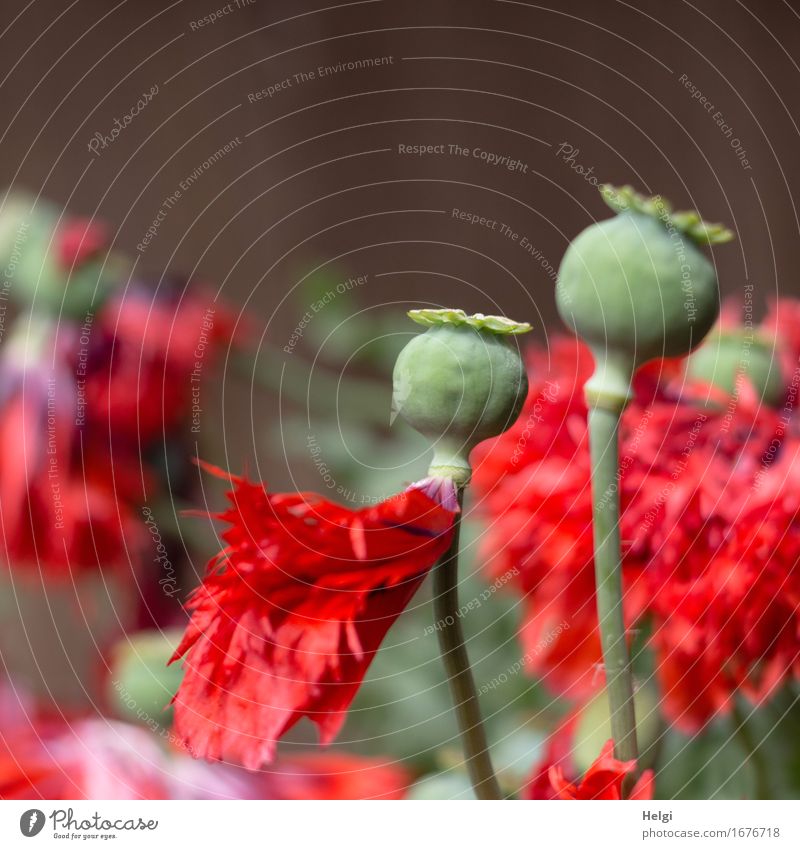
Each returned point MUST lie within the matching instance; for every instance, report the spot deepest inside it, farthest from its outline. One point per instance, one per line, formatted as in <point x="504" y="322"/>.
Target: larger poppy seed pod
<point x="460" y="382"/>
<point x="637" y="287"/>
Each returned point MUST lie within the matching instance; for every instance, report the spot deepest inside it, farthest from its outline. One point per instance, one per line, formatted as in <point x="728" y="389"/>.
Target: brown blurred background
<point x="698" y="101"/>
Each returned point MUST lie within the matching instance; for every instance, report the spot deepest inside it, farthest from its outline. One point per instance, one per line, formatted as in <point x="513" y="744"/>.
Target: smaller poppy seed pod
<point x="637" y="287"/>
<point x="459" y="383"/>
<point x="733" y="354"/>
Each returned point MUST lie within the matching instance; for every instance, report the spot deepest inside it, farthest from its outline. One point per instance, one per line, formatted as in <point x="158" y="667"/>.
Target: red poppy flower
<point x="330" y="775"/>
<point x="292" y="612"/>
<point x="55" y="515"/>
<point x="603" y="779"/>
<point x="99" y="758"/>
<point x="151" y="354"/>
<point x="79" y="240"/>
<point x="91" y="759"/>
<point x="726" y="613"/>
<point x="557" y="753"/>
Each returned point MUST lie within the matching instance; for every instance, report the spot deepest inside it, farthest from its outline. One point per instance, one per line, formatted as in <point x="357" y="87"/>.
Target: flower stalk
<point x="753" y="751"/>
<point x="458" y="383"/>
<point x="635" y="288"/>
<point x="459" y="673"/>
<point x="604" y="448"/>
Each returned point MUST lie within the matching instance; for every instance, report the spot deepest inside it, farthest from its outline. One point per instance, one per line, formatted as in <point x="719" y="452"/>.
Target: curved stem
<point x="603" y="442"/>
<point x="459" y="675"/>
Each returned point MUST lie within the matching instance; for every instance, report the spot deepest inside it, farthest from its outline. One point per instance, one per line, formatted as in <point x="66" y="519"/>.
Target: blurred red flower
<point x="710" y="497"/>
<point x="80" y="408"/>
<point x="330" y="775"/>
<point x="54" y="513"/>
<point x="79" y="240"/>
<point x="292" y="611"/>
<point x="603" y="779"/>
<point x="153" y="350"/>
<point x="98" y="758"/>
<point x="534" y="490"/>
<point x="557" y="753"/>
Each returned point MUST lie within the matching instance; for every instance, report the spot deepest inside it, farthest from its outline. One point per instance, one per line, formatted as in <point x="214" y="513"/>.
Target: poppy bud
<point x="637" y="287"/>
<point x="459" y="383"/>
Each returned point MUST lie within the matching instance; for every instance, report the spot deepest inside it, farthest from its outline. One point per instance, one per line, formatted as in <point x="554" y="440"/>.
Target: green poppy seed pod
<point x="637" y="287"/>
<point x="459" y="383"/>
<point x="735" y="353"/>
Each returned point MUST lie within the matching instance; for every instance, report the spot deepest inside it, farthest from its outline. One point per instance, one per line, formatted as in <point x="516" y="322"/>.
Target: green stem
<point x="755" y="754"/>
<point x="603" y="441"/>
<point x="459" y="675"/>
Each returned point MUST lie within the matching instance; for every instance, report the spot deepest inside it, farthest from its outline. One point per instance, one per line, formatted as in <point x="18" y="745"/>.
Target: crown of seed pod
<point x="460" y="382"/>
<point x="637" y="287"/>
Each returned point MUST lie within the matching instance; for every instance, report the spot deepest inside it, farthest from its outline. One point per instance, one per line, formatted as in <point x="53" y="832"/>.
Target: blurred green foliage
<point x="141" y="685"/>
<point x="335" y="391"/>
